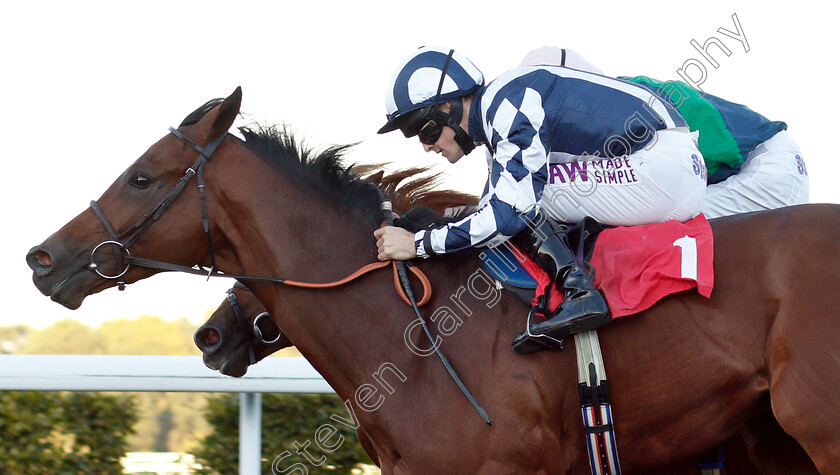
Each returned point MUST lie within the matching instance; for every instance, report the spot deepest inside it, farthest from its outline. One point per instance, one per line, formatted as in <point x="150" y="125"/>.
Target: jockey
<point x="753" y="163"/>
<point x="561" y="143"/>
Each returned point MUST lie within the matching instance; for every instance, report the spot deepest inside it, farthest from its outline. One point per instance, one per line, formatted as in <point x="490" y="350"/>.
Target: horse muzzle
<point x="65" y="281"/>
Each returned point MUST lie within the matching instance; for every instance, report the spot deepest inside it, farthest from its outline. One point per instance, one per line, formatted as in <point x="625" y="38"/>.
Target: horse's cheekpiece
<point x="121" y="242"/>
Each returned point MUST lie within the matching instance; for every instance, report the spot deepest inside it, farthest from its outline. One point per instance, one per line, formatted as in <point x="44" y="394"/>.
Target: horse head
<point x="238" y="334"/>
<point x="91" y="252"/>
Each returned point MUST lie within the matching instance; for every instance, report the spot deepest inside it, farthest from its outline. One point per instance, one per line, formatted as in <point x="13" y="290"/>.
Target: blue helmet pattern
<point x="415" y="83"/>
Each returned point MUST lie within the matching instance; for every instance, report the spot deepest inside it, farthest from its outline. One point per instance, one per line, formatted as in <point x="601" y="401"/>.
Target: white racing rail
<point x="167" y="374"/>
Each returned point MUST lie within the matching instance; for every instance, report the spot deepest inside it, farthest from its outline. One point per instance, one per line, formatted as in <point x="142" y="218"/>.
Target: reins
<point x="427" y="286"/>
<point x="400" y="268"/>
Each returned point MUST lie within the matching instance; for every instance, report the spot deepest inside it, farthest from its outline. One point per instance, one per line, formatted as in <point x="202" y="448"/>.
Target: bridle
<point x="122" y="241"/>
<point x="254" y="332"/>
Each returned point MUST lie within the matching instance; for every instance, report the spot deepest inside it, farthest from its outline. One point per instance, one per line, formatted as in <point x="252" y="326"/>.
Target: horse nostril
<point x="43" y="259"/>
<point x="207" y="339"/>
<point x="39" y="260"/>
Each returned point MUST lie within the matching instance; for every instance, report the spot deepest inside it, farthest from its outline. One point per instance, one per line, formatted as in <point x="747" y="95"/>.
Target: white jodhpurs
<point x="665" y="181"/>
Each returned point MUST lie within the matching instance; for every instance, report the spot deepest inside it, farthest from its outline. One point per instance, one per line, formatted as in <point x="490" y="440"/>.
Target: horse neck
<point x="281" y="229"/>
<point x="357" y="336"/>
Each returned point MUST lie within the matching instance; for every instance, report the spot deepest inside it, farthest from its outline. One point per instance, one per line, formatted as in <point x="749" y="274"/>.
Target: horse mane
<point x="323" y="170"/>
<point x="418" y="196"/>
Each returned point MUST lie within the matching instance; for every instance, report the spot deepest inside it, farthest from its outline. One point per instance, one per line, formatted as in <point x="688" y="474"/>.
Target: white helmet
<point x="428" y="77"/>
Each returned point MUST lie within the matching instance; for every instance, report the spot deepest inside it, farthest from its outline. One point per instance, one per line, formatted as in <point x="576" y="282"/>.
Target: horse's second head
<point x="238" y="334"/>
<point x="90" y="253"/>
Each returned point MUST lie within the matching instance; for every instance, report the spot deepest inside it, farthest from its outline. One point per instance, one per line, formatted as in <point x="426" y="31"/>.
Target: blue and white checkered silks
<point x="415" y="82"/>
<point x="527" y="113"/>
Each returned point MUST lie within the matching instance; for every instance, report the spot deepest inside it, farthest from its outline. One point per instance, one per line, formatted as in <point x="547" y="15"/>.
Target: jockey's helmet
<point x="427" y="78"/>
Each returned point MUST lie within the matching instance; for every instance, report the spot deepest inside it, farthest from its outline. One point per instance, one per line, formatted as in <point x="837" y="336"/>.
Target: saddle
<point x="516" y="272"/>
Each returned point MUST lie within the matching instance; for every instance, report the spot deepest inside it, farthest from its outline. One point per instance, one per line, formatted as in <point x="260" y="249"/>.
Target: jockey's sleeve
<point x="518" y="173"/>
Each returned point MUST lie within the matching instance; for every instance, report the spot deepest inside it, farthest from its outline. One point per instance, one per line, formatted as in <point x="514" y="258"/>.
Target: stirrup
<point x="529" y="342"/>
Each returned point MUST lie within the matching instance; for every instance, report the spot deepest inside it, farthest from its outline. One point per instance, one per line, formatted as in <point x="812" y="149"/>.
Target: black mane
<point x="326" y="172"/>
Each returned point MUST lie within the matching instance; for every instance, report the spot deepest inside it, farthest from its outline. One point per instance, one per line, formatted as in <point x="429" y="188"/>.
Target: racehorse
<point x="229" y="341"/>
<point x="685" y="374"/>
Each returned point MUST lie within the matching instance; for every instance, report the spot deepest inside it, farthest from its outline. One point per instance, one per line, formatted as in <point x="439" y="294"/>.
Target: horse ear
<point x="219" y="120"/>
<point x="376" y="177"/>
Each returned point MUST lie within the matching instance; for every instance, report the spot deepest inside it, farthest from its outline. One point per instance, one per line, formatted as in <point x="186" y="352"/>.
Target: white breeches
<point x="667" y="180"/>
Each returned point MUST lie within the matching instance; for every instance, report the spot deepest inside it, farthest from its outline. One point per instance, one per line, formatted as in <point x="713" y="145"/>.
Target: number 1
<point x="688" y="246"/>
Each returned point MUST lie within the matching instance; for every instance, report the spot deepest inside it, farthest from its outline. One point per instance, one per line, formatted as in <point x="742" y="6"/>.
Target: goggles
<point x="427" y="124"/>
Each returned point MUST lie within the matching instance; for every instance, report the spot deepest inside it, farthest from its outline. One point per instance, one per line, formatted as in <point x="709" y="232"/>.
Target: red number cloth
<point x="637" y="266"/>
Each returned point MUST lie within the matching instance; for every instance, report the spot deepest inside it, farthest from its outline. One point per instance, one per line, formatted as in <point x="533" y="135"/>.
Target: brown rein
<point x="427" y="286"/>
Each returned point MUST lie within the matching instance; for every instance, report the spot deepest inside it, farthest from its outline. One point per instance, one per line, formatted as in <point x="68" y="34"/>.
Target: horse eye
<point x="140" y="181"/>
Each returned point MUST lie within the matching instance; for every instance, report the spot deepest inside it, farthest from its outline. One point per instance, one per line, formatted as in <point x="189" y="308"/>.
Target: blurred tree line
<point x="166" y="422"/>
<point x="297" y="434"/>
<point x="46" y="431"/>
<point x="50" y="432"/>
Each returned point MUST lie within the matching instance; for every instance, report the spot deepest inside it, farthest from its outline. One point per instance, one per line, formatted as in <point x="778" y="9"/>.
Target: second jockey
<point x="753" y="163"/>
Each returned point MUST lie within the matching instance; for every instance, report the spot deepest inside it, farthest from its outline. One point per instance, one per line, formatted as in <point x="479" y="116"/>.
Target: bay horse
<point x="227" y="339"/>
<point x="685" y="374"/>
<point x="229" y="345"/>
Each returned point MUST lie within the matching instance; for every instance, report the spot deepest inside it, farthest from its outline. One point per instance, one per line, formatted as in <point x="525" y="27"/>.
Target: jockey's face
<point x="446" y="144"/>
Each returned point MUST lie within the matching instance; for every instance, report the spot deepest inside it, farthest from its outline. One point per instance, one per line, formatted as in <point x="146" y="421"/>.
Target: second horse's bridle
<point x="254" y="332"/>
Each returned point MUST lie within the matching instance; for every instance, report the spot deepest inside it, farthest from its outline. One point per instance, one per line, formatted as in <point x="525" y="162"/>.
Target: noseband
<point x="122" y="241"/>
<point x="249" y="334"/>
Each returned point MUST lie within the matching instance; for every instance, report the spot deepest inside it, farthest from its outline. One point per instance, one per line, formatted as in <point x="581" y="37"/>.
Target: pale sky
<point x="90" y="85"/>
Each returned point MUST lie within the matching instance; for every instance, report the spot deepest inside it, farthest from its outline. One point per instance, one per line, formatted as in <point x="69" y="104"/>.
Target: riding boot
<point x="583" y="307"/>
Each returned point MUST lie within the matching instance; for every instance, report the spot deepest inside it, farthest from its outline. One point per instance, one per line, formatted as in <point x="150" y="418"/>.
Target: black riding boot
<point x="583" y="308"/>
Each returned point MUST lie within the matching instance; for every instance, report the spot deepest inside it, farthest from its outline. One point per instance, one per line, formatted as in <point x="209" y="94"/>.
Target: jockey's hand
<point x="394" y="243"/>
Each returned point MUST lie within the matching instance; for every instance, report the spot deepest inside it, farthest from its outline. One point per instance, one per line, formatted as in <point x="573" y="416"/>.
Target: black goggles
<point x="426" y="124"/>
